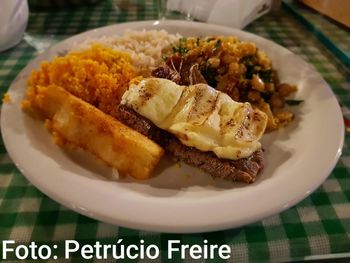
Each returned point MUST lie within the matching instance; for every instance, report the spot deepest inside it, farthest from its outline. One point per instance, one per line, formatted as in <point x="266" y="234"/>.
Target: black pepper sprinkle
<point x="256" y="116"/>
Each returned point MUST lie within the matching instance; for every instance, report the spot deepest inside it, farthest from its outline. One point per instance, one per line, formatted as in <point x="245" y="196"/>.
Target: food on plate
<point x="75" y="122"/>
<point x="144" y="47"/>
<point x="199" y="125"/>
<point x="232" y="66"/>
<point x="98" y="75"/>
<point x="208" y="104"/>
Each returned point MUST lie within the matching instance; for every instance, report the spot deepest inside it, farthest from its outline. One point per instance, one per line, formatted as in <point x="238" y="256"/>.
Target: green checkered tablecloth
<point x="328" y="31"/>
<point x="319" y="225"/>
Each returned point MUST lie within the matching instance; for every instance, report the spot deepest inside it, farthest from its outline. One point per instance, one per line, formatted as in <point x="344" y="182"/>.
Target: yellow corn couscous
<point x="237" y="68"/>
<point x="98" y="75"/>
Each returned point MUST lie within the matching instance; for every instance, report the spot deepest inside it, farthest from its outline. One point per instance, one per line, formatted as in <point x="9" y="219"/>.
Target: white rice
<point x="144" y="47"/>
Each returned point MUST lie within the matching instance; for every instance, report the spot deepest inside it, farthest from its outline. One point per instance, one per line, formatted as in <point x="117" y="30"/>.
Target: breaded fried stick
<point x="80" y="124"/>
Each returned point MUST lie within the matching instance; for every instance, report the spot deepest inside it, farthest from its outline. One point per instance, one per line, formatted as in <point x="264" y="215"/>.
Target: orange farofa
<point x="6" y="98"/>
<point x="98" y="75"/>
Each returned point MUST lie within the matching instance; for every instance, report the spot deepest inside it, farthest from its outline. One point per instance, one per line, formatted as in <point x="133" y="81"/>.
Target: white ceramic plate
<point x="182" y="198"/>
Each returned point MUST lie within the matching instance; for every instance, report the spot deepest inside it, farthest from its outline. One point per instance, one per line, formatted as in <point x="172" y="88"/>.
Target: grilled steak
<point x="184" y="75"/>
<point x="166" y="72"/>
<point x="243" y="170"/>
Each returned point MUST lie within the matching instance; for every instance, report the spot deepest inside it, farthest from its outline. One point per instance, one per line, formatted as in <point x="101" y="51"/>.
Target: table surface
<point x="317" y="227"/>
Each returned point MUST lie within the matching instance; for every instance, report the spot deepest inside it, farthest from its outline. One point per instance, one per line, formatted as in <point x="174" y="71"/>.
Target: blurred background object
<point x="338" y="10"/>
<point x="234" y="13"/>
<point x="329" y="31"/>
<point x="49" y="4"/>
<point x="176" y="9"/>
<point x="13" y="22"/>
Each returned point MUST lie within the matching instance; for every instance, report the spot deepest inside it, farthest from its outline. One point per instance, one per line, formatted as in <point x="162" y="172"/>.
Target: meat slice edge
<point x="243" y="170"/>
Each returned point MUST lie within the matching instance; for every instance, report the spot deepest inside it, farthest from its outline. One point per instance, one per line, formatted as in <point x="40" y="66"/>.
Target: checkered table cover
<point x="319" y="225"/>
<point x="335" y="36"/>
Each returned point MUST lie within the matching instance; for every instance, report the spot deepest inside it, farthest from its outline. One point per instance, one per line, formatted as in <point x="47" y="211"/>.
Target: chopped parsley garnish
<point x="266" y="75"/>
<point x="248" y="60"/>
<point x="293" y="102"/>
<point x="182" y="46"/>
<point x="266" y="96"/>
<point x="249" y="72"/>
<point x="209" y="75"/>
<point x="217" y="45"/>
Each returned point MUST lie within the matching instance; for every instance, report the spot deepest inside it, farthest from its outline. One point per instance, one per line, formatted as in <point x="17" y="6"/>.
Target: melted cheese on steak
<point x="199" y="116"/>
